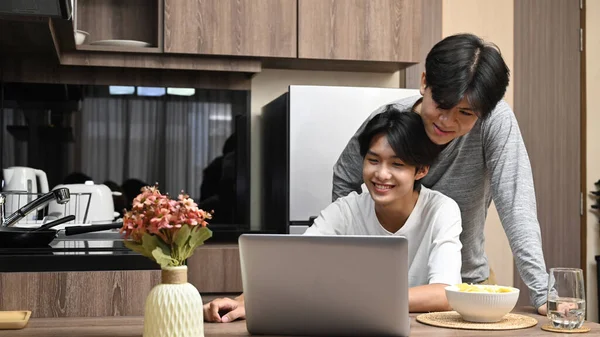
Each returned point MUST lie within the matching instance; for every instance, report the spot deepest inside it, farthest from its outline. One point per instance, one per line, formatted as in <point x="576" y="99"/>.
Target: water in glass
<point x="566" y="298"/>
<point x="566" y="312"/>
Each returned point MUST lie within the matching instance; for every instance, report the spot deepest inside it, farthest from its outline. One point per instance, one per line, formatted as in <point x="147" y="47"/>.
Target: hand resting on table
<point x="225" y="310"/>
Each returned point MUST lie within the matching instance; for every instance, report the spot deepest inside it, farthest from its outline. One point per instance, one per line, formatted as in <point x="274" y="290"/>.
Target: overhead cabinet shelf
<point x="120" y="25"/>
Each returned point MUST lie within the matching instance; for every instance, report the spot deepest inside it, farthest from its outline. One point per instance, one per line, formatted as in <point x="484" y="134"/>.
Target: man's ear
<point x="423" y="84"/>
<point x="421" y="172"/>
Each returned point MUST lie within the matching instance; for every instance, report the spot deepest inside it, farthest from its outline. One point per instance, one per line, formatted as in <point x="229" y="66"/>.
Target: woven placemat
<point x="452" y="319"/>
<point x="549" y="327"/>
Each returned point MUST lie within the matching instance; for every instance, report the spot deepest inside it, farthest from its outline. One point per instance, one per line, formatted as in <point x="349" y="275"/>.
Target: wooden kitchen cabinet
<point x="362" y="30"/>
<point x="261" y="28"/>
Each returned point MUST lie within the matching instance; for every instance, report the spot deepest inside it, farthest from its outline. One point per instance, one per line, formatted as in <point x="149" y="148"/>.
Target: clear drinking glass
<point x="566" y="298"/>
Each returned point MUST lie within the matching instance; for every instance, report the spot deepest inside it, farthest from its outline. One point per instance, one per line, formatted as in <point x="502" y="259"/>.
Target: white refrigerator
<point x="303" y="133"/>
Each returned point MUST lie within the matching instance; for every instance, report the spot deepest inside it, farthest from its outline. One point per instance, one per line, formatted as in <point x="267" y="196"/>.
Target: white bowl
<point x="482" y="307"/>
<point x="80" y="36"/>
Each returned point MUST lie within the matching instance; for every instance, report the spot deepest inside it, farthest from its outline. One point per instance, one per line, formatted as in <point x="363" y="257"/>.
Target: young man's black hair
<point x="406" y="135"/>
<point x="464" y="65"/>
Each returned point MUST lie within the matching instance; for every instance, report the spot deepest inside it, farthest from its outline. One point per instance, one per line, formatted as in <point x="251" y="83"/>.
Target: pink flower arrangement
<point x="165" y="230"/>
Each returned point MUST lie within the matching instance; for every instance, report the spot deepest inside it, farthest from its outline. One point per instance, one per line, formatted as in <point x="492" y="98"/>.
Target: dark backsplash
<point x="198" y="143"/>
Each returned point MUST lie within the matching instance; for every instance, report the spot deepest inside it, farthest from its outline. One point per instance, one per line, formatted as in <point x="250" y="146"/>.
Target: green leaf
<point x="138" y="248"/>
<point x="182" y="236"/>
<point x="163" y="259"/>
<point x="165" y="247"/>
<point x="150" y="242"/>
<point x="184" y="243"/>
<point x="198" y="237"/>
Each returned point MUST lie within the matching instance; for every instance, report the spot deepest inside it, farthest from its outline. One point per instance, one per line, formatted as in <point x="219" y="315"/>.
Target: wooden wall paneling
<point x="431" y="33"/>
<point x="231" y="27"/>
<point x="216" y="269"/>
<point x="77" y="294"/>
<point x="117" y="293"/>
<point x="370" y="30"/>
<point x="547" y="105"/>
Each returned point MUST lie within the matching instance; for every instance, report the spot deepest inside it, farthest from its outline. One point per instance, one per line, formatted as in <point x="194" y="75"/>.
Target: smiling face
<point x="389" y="180"/>
<point x="444" y="125"/>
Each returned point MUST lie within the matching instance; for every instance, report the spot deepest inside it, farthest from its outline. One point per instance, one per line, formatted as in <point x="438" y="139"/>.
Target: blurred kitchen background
<point x="127" y="137"/>
<point x="551" y="46"/>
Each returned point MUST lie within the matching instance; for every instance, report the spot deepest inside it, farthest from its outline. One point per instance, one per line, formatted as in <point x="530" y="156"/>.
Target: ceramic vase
<point x="174" y="307"/>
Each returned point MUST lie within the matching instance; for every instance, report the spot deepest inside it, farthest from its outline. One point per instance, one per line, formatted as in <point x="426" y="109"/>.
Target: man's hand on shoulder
<point x="231" y="309"/>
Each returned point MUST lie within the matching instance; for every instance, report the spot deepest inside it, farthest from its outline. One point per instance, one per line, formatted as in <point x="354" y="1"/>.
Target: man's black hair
<point x="405" y="132"/>
<point x="464" y="65"/>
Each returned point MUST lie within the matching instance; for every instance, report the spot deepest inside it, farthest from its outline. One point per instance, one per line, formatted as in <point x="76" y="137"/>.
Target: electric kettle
<point x="90" y="203"/>
<point x="22" y="179"/>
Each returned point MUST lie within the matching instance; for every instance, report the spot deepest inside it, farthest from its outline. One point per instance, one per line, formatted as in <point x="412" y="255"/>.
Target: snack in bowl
<point x="482" y="303"/>
<point x="482" y="288"/>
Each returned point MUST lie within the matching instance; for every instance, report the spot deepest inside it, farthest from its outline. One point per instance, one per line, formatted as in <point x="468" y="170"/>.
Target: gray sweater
<point x="490" y="162"/>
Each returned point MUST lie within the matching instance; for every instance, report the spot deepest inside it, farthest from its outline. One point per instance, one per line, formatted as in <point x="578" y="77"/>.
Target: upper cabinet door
<point x="231" y="27"/>
<point x="367" y="30"/>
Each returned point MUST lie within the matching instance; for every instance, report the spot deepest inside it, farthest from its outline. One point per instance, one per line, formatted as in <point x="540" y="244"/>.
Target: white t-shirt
<point x="432" y="230"/>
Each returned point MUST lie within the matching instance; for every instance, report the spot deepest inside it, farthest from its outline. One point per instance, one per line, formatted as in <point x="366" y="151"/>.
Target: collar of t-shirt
<point x="410" y="222"/>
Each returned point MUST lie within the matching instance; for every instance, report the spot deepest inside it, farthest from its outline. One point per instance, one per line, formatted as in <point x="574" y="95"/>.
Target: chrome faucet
<point x="61" y="195"/>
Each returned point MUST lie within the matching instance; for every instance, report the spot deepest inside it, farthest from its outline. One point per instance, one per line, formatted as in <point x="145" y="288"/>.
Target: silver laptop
<point x="325" y="285"/>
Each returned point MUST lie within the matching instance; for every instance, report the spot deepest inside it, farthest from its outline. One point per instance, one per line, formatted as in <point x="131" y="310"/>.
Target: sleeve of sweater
<point x="445" y="258"/>
<point x="513" y="193"/>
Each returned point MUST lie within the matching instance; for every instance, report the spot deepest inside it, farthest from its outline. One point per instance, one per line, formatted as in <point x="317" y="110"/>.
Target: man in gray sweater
<point x="484" y="157"/>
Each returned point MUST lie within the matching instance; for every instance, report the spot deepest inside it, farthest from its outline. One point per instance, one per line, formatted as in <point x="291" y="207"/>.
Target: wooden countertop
<point x="133" y="326"/>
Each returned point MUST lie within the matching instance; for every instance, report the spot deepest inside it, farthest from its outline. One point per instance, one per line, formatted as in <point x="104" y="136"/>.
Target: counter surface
<point x="85" y="252"/>
<point x="133" y="327"/>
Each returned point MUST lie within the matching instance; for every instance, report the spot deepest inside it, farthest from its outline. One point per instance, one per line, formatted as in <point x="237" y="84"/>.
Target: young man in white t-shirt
<point x="396" y="154"/>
